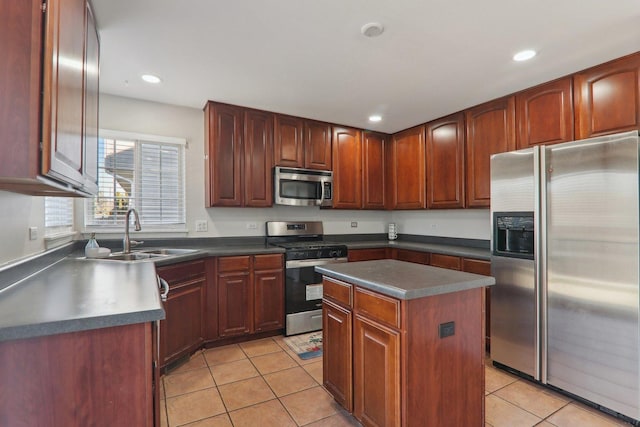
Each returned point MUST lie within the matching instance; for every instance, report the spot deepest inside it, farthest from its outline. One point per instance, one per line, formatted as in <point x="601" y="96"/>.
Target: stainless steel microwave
<point x="302" y="187"/>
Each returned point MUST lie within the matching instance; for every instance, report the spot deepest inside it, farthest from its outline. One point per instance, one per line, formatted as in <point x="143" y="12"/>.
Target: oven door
<point x="303" y="294"/>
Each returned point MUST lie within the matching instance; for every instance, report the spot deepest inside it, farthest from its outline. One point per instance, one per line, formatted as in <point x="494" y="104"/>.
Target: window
<point x="144" y="172"/>
<point x="58" y="216"/>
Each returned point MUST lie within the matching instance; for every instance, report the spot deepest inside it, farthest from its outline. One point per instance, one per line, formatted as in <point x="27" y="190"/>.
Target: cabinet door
<point x="407" y="170"/>
<point x="445" y="162"/>
<point x="90" y="130"/>
<point x="544" y="114"/>
<point x="268" y="300"/>
<point x="317" y="145"/>
<point x="258" y="158"/>
<point x="490" y="130"/>
<point x="63" y="91"/>
<point x="223" y="153"/>
<point x="376" y="365"/>
<point x="288" y="141"/>
<point x="182" y="330"/>
<point x="235" y="304"/>
<point x="607" y="98"/>
<point x="336" y="353"/>
<point x="446" y="261"/>
<point x="373" y="170"/>
<point x="347" y="168"/>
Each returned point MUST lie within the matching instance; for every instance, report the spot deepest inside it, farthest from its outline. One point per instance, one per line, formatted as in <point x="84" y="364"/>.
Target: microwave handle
<point x="321" y="193"/>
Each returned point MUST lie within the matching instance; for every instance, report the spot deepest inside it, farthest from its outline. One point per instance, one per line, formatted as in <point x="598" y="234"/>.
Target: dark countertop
<point x="56" y="292"/>
<point x="74" y="295"/>
<point x="404" y="280"/>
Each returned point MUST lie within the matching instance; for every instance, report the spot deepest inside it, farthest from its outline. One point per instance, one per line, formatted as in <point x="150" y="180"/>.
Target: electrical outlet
<point x="33" y="233"/>
<point x="202" y="225"/>
<point x="434" y="225"/>
<point x="354" y="224"/>
<point x="252" y="226"/>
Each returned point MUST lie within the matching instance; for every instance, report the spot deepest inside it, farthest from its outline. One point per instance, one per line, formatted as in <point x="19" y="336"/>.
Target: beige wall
<point x="124" y="114"/>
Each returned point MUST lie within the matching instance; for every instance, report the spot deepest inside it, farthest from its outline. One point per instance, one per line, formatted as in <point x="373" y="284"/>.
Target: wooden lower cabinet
<point x="376" y="373"/>
<point x="336" y="357"/>
<point x="250" y="294"/>
<point x="183" y="329"/>
<point x="478" y="266"/>
<point x="411" y="256"/>
<point x="99" y="377"/>
<point x="404" y="372"/>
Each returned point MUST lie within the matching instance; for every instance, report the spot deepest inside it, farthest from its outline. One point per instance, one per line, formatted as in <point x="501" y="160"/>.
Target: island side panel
<point x="94" y="377"/>
<point x="444" y="377"/>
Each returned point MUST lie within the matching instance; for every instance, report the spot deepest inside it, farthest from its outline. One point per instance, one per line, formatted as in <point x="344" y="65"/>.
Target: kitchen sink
<point x="133" y="256"/>
<point x="165" y="251"/>
<point x="147" y="254"/>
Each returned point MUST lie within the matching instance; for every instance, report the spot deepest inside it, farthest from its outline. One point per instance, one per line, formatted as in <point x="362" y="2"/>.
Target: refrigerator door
<point x="592" y="270"/>
<point x="514" y="303"/>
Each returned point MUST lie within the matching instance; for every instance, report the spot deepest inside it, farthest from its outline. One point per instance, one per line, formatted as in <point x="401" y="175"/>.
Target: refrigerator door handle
<point x="541" y="262"/>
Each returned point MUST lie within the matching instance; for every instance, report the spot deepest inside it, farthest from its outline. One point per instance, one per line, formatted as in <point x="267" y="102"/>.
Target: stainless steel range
<point x="305" y="248"/>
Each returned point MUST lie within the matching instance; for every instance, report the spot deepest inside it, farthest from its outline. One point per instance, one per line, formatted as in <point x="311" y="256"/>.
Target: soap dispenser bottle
<point x="91" y="244"/>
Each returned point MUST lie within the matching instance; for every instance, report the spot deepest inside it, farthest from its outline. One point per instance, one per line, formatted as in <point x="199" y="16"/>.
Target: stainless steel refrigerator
<point x="564" y="244"/>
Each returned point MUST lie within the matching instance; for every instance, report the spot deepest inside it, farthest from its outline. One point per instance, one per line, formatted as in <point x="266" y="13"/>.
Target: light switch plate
<point x="33" y="233"/>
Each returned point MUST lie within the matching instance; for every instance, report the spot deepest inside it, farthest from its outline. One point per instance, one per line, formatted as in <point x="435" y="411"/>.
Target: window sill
<point x="58" y="239"/>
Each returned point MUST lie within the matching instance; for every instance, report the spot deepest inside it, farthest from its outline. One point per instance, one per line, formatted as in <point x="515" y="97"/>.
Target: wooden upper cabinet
<point x="373" y="170"/>
<point x="317" y="145"/>
<point x="347" y="168"/>
<point x="301" y="143"/>
<point x="258" y="158"/>
<point x="607" y="98"/>
<point x="47" y="106"/>
<point x="406" y="169"/>
<point x="64" y="91"/>
<point x="544" y="114"/>
<point x="90" y="131"/>
<point x="288" y="145"/>
<point x="445" y="162"/>
<point x="223" y="153"/>
<point x="490" y="130"/>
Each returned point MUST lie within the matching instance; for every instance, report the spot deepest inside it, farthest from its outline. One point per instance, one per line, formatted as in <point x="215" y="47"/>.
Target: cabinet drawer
<point x="267" y="262"/>
<point x="233" y="263"/>
<point x="445" y="261"/>
<point x="476" y="266"/>
<point x="412" y="256"/>
<point x="337" y="291"/>
<point x="182" y="272"/>
<point x="378" y="307"/>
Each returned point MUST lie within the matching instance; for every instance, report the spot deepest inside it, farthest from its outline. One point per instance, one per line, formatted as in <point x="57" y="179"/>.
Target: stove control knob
<point x="334" y="254"/>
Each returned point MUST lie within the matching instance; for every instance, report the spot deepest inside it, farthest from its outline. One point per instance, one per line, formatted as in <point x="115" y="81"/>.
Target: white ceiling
<point x="308" y="57"/>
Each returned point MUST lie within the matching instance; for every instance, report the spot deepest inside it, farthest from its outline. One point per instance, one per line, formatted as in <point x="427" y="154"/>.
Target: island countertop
<point x="404" y="280"/>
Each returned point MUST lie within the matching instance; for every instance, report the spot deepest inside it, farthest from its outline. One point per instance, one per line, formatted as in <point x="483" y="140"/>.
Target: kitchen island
<point x="403" y="343"/>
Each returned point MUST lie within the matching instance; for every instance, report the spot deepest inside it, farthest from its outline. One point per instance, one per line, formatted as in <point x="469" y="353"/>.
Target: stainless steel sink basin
<point x="165" y="251"/>
<point x="133" y="256"/>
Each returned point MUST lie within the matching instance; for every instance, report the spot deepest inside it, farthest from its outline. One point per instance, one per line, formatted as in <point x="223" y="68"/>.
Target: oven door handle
<point x="300" y="263"/>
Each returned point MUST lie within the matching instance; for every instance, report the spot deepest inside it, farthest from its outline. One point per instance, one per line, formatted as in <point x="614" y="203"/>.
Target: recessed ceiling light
<point x="524" y="55"/>
<point x="375" y="118"/>
<point x="150" y="78"/>
<point x="372" y="29"/>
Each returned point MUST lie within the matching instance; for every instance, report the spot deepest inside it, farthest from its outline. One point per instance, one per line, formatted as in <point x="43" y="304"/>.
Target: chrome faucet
<point x="126" y="243"/>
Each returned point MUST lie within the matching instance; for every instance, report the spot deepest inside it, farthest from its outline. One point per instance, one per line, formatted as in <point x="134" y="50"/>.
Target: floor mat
<point x="306" y="346"/>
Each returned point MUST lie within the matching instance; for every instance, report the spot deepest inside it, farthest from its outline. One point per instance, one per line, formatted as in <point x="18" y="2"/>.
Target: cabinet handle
<point x="165" y="288"/>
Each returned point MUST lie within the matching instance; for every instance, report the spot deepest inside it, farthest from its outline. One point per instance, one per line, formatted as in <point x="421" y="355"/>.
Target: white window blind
<point x="144" y="172"/>
<point x="58" y="215"/>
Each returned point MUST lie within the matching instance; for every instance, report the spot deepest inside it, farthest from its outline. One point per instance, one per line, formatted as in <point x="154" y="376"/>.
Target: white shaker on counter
<point x="393" y="234"/>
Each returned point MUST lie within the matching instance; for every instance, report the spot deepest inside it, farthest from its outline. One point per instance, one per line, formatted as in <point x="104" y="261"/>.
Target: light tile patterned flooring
<point x="264" y="384"/>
